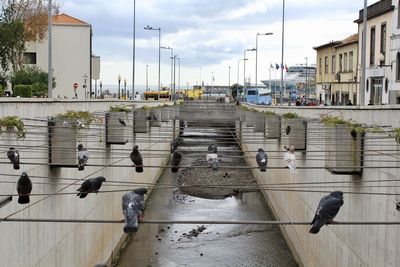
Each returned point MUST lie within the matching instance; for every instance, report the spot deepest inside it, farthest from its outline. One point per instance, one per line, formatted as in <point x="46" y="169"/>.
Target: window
<point x="383" y="42"/>
<point x="351" y="61"/>
<point x="372" y="47"/>
<point x="398" y="66"/>
<point x="320" y="65"/>
<point x="333" y="64"/>
<point x="345" y="61"/>
<point x="340" y="63"/>
<point x="29" y="58"/>
<point x="326" y="64"/>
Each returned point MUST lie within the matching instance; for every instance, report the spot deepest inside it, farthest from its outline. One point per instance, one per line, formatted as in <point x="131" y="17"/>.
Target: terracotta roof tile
<point x="66" y="19"/>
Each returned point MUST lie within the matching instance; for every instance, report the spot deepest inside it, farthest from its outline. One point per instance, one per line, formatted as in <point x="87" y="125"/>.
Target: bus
<point x="160" y="96"/>
<point x="258" y="96"/>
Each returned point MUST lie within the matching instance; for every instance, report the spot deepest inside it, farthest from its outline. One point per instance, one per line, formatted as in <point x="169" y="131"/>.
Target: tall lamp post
<point x="119" y="86"/>
<point x="258" y="34"/>
<point x="134" y="46"/>
<point x="283" y="47"/>
<point x="101" y="89"/>
<point x="149" y="28"/>
<point x="229" y="76"/>
<point x="244" y="65"/>
<point x="237" y="84"/>
<point x="179" y="72"/>
<point x="147" y="78"/>
<point x="174" y="90"/>
<point x="306" y="92"/>
<point x="84" y="82"/>
<point x="172" y="62"/>
<point x="124" y="94"/>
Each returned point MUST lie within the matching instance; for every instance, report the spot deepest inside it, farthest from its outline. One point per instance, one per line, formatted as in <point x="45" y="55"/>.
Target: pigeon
<point x="354" y="134"/>
<point x="24" y="188"/>
<point x="90" y="185"/>
<point x="262" y="160"/>
<point x="212" y="148"/>
<point x="136" y="158"/>
<point x="174" y="145"/>
<point x="288" y="129"/>
<point x="212" y="160"/>
<point x="83" y="156"/>
<point x="132" y="207"/>
<point x="175" y="161"/>
<point x="13" y="156"/>
<point x="80" y="124"/>
<point x="122" y="122"/>
<point x="328" y="208"/>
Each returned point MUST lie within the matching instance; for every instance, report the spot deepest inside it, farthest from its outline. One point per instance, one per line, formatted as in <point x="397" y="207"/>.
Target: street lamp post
<point x="306" y="92"/>
<point x="244" y="65"/>
<point x="172" y="55"/>
<point x="179" y="73"/>
<point x="134" y="46"/>
<point x="258" y="34"/>
<point x="50" y="52"/>
<point x="101" y="89"/>
<point x="147" y="78"/>
<point x="84" y="82"/>
<point x="229" y="76"/>
<point x="174" y="90"/>
<point x="237" y="84"/>
<point x="159" y="54"/>
<point x="124" y="94"/>
<point x="119" y="86"/>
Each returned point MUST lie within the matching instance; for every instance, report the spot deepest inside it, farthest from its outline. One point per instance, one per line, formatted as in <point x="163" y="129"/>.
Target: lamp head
<point x="381" y="57"/>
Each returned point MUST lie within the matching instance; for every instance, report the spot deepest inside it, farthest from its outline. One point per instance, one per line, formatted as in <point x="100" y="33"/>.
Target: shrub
<point x="32" y="76"/>
<point x="14" y="121"/>
<point x="23" y="90"/>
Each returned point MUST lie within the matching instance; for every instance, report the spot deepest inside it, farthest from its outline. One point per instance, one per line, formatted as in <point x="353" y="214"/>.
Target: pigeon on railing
<point x="137" y="159"/>
<point x="262" y="160"/>
<point x="91" y="185"/>
<point x="13" y="156"/>
<point x="132" y="207"/>
<point x="83" y="156"/>
<point x="176" y="161"/>
<point x="24" y="188"/>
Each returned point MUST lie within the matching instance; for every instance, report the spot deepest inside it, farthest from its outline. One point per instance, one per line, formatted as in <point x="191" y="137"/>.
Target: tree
<point x="21" y="21"/>
<point x="236" y="88"/>
<point x="32" y="76"/>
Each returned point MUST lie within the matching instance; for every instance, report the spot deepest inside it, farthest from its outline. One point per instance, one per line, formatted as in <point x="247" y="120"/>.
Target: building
<point x="394" y="85"/>
<point x="336" y="78"/>
<point x="379" y="58"/>
<point x="72" y="57"/>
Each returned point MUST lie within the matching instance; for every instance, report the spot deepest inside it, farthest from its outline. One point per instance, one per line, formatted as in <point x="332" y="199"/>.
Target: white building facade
<point x="379" y="58"/>
<point x="394" y="90"/>
<point x="72" y="57"/>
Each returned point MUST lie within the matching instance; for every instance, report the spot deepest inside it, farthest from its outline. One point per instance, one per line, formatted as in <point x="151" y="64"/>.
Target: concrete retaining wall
<point x="70" y="244"/>
<point x="336" y="245"/>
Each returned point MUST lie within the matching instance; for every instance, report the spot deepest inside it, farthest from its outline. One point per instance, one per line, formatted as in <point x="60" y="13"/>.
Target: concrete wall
<point x="70" y="244"/>
<point x="340" y="245"/>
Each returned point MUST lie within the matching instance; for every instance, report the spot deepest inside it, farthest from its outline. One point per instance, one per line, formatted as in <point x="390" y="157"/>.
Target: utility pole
<point x="362" y="88"/>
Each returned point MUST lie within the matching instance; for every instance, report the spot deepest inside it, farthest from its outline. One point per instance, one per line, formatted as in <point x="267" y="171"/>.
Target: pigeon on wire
<point x="288" y="129"/>
<point x="13" y="156"/>
<point x="122" y="122"/>
<point x="354" y="134"/>
<point x="132" y="207"/>
<point x="137" y="159"/>
<point x="327" y="210"/>
<point x="176" y="161"/>
<point x="262" y="160"/>
<point x="174" y="145"/>
<point x="24" y="188"/>
<point x="80" y="124"/>
<point x="83" y="156"/>
<point x="91" y="185"/>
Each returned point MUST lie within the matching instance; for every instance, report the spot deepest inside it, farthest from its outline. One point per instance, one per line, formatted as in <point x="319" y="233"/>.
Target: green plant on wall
<point x="396" y="133"/>
<point x="331" y="121"/>
<point x="290" y="115"/>
<point x="122" y="108"/>
<point x="82" y="116"/>
<point x="15" y="123"/>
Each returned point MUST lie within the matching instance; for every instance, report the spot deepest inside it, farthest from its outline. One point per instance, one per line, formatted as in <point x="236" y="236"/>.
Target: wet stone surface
<point x="207" y="245"/>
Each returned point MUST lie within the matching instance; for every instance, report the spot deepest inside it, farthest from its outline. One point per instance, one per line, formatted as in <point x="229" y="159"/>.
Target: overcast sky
<point x="210" y="35"/>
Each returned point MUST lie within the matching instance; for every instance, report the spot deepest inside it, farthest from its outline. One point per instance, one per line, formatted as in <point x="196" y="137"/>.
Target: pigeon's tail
<point x="174" y="169"/>
<point x="82" y="195"/>
<point x="263" y="168"/>
<point x="139" y="169"/>
<point x="314" y="229"/>
<point x="23" y="199"/>
<point x="81" y="167"/>
<point x="131" y="225"/>
<point x="16" y="166"/>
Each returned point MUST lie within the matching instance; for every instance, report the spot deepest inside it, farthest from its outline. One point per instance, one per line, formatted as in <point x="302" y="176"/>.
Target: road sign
<point x="75" y="85"/>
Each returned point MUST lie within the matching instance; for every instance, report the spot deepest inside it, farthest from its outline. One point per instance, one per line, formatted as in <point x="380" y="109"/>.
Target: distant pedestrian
<point x="370" y="103"/>
<point x="349" y="103"/>
<point x="290" y="159"/>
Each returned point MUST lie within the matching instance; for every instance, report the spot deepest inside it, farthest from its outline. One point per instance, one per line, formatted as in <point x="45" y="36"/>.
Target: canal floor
<point x="205" y="245"/>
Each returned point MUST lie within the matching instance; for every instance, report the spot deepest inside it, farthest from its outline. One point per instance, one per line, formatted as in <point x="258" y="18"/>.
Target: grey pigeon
<point x="212" y="148"/>
<point x="354" y="134"/>
<point x="24" y="188"/>
<point x="174" y="145"/>
<point x="90" y="185"/>
<point x="132" y="207"/>
<point x="288" y="129"/>
<point x="328" y="208"/>
<point x="122" y="122"/>
<point x="176" y="161"/>
<point x="83" y="156"/>
<point x="13" y="156"/>
<point x="262" y="160"/>
<point x="136" y="158"/>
